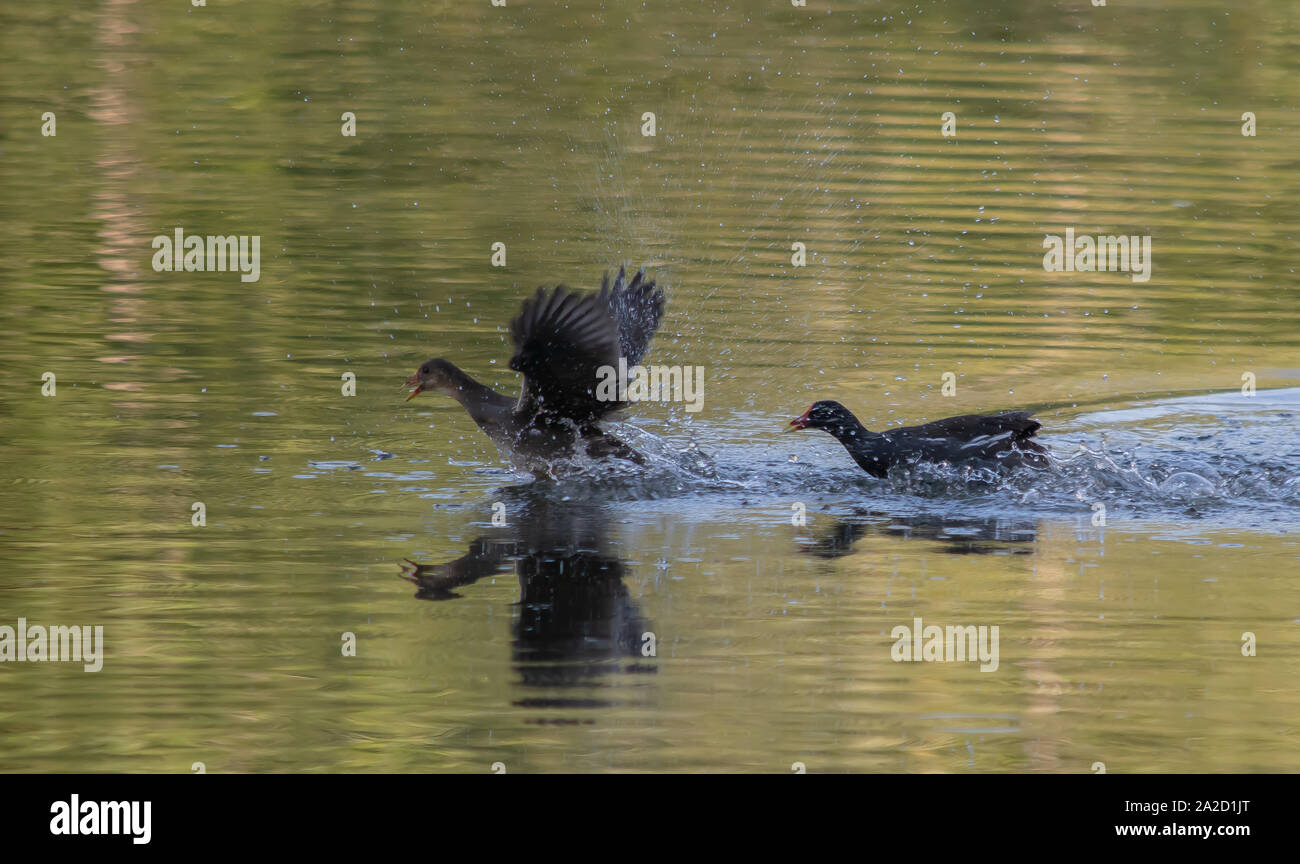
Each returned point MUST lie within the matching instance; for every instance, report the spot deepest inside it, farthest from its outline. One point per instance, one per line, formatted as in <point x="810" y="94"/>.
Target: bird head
<point x="821" y="415"/>
<point x="436" y="375"/>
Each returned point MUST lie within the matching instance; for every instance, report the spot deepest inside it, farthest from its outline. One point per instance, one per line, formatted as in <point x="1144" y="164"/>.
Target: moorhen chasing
<point x="1002" y="439"/>
<point x="561" y="341"/>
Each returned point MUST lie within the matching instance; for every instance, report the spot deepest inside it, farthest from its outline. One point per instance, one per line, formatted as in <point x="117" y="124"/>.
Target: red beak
<point x="414" y="381"/>
<point x="800" y="422"/>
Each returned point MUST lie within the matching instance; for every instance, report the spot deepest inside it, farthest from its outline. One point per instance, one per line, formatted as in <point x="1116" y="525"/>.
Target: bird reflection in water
<point x="575" y="625"/>
<point x="956" y="535"/>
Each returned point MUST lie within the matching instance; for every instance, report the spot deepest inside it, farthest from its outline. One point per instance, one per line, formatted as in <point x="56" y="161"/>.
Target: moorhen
<point x="561" y="341"/>
<point x="1002" y="439"/>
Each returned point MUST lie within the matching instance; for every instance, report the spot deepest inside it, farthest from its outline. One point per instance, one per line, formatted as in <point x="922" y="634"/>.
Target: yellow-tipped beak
<point x="799" y="422"/>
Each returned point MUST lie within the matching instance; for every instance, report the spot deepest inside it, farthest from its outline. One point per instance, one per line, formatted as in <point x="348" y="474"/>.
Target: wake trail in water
<point x="1218" y="462"/>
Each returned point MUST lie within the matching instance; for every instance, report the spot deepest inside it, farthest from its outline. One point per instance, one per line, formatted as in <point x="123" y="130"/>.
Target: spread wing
<point x="561" y="341"/>
<point x="636" y="308"/>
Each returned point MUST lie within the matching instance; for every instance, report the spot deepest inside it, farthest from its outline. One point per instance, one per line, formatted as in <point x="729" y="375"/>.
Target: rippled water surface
<point x="1123" y="578"/>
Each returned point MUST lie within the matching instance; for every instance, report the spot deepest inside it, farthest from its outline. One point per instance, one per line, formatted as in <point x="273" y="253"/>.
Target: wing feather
<point x="1020" y="425"/>
<point x="636" y="308"/>
<point x="561" y="341"/>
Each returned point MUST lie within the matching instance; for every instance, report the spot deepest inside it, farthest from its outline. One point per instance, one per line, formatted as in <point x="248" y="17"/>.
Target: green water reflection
<point x="521" y="125"/>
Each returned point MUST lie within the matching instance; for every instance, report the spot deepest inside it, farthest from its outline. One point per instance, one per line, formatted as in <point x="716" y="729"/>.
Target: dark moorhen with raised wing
<point x="1002" y="439"/>
<point x="562" y="339"/>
